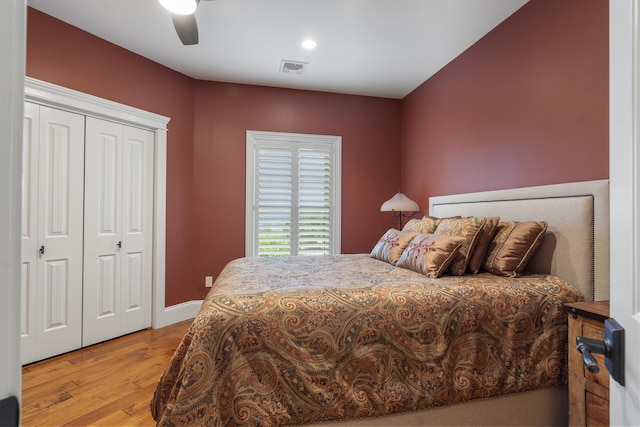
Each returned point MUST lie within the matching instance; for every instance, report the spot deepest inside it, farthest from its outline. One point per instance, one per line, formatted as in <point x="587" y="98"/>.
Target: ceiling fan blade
<point x="186" y="27"/>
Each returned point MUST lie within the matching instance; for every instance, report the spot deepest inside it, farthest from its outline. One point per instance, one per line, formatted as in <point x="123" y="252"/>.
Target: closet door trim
<point x="48" y="94"/>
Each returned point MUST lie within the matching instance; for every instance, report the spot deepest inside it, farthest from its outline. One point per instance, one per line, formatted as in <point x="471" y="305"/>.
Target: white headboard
<point x="576" y="246"/>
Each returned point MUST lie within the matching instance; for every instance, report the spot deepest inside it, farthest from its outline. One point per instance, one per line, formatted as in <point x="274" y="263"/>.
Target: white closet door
<point x="53" y="187"/>
<point x="118" y="216"/>
<point x="29" y="231"/>
<point x="60" y="230"/>
<point x="102" y="220"/>
<point x="137" y="229"/>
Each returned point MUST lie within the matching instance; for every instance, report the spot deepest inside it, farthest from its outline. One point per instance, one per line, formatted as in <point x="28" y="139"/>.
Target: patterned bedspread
<point x="299" y="340"/>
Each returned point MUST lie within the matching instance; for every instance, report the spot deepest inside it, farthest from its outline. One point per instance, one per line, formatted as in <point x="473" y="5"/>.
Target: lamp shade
<point x="180" y="7"/>
<point x="400" y="203"/>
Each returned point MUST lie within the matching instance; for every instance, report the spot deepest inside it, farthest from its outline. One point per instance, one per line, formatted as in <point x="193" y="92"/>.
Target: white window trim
<point x="252" y="137"/>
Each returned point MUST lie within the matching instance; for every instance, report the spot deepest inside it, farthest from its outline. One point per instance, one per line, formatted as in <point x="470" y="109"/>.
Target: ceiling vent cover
<point x="292" y="67"/>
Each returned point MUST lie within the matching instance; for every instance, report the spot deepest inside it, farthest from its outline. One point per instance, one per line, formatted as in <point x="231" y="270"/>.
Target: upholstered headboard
<point x="576" y="246"/>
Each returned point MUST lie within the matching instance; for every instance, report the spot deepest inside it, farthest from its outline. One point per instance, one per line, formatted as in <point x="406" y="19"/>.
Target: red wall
<point x="206" y="144"/>
<point x="370" y="130"/>
<point x="526" y="105"/>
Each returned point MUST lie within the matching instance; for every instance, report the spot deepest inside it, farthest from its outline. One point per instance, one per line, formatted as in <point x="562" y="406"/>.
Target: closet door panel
<point x="137" y="214"/>
<point x="103" y="225"/>
<point x="29" y="230"/>
<point x="133" y="295"/>
<point x="29" y="315"/>
<point x="56" y="293"/>
<point x="107" y="286"/>
<point x="60" y="231"/>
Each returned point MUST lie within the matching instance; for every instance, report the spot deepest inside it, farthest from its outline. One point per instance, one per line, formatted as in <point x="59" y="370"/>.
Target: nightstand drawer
<point x="597" y="410"/>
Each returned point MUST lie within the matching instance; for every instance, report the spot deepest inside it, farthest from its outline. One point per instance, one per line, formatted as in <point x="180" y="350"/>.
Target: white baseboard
<point x="177" y="313"/>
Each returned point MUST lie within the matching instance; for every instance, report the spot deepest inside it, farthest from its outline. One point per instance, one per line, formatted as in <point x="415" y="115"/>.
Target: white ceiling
<point x="382" y="48"/>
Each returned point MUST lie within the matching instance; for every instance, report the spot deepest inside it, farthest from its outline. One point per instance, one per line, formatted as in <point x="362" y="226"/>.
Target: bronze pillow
<point x="466" y="228"/>
<point x="429" y="254"/>
<point x="513" y="246"/>
<point x="391" y="245"/>
<point x="485" y="236"/>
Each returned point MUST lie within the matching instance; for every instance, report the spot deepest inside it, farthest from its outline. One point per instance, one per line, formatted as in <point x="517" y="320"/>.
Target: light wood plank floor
<point x="108" y="384"/>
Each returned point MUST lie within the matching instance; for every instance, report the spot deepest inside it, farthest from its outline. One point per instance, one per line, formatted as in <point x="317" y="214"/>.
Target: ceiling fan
<point x="184" y="19"/>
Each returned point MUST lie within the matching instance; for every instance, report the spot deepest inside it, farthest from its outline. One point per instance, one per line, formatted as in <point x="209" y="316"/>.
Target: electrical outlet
<point x="208" y="281"/>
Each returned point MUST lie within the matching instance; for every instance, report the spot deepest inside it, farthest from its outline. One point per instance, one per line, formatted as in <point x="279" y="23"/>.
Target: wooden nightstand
<point x="588" y="392"/>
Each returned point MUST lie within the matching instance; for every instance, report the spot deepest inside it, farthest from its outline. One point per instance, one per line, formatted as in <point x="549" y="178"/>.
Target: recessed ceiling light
<point x="309" y="44"/>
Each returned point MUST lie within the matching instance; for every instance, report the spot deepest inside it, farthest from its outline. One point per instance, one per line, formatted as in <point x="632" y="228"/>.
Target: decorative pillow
<point x="426" y="225"/>
<point x="414" y="225"/>
<point x="513" y="246"/>
<point x="467" y="228"/>
<point x="429" y="254"/>
<point x="391" y="245"/>
<point x="485" y="236"/>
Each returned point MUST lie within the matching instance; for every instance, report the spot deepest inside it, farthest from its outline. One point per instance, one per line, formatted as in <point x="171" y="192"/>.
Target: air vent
<point x="292" y="67"/>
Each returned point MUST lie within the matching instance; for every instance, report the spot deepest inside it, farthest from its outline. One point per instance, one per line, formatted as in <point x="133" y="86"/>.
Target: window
<point x="293" y="194"/>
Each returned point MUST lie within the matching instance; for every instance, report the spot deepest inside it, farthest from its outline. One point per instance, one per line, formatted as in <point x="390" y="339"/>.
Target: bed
<point x="355" y="340"/>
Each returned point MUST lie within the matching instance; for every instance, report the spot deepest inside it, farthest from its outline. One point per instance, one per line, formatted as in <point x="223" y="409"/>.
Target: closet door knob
<point x="41" y="250"/>
<point x="120" y="244"/>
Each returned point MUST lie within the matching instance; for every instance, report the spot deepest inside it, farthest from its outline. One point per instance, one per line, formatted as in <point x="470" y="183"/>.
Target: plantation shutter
<point x="293" y="209"/>
<point x="275" y="201"/>
<point x="314" y="201"/>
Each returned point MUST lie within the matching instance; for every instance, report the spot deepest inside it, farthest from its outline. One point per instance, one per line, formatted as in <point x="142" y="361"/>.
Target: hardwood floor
<point x="108" y="384"/>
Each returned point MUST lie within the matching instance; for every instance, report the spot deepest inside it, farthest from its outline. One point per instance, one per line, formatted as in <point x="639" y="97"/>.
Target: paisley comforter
<point x="301" y="340"/>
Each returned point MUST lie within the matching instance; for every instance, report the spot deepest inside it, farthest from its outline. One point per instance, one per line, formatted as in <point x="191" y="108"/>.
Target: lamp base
<point x="399" y="215"/>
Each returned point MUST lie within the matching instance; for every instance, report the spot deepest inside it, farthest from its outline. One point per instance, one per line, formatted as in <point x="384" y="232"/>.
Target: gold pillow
<point x="414" y="225"/>
<point x="485" y="236"/>
<point x="467" y="228"/>
<point x="391" y="245"/>
<point x="426" y="225"/>
<point x="429" y="254"/>
<point x="513" y="246"/>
